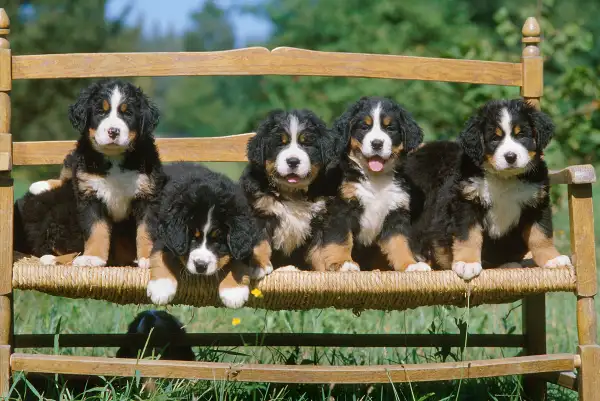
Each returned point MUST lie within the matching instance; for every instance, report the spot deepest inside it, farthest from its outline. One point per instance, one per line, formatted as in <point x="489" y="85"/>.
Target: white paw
<point x="161" y="291"/>
<point x="48" y="260"/>
<point x="86" y="260"/>
<point x="467" y="271"/>
<point x="418" y="267"/>
<point x="234" y="297"/>
<point x="288" y="268"/>
<point x="39" y="187"/>
<point x="259" y="272"/>
<point x="144" y="263"/>
<point x="559" y="261"/>
<point x="349" y="267"/>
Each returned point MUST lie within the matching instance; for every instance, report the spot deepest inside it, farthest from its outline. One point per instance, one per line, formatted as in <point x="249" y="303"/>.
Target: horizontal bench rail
<point x="230" y="148"/>
<point x="101" y="366"/>
<point x="262" y="61"/>
<point x="271" y="340"/>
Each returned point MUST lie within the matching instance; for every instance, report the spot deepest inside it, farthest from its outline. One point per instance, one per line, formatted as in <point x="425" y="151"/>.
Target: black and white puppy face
<point x="113" y="114"/>
<point x="375" y="131"/>
<point x="205" y="221"/>
<point x="507" y="137"/>
<point x="292" y="147"/>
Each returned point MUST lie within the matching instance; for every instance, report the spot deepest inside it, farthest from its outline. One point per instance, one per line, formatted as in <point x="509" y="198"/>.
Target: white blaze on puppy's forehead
<point x="207" y="226"/>
<point x="505" y="121"/>
<point x="376" y="114"/>
<point x="115" y="100"/>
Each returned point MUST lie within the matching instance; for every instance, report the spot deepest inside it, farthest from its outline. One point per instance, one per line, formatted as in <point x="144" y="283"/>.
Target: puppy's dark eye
<point x="285" y="138"/>
<point x="123" y="107"/>
<point x="215" y="233"/>
<point x="499" y="131"/>
<point x="516" y="130"/>
<point x="105" y="105"/>
<point x="387" y="120"/>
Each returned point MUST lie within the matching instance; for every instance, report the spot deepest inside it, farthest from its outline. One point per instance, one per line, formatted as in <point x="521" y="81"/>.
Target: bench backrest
<point x="526" y="74"/>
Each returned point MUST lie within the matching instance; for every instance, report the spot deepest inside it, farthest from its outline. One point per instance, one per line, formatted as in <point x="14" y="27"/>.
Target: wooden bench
<point x="302" y="290"/>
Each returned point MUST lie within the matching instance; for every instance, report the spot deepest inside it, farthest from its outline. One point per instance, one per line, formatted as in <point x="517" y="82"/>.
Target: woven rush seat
<point x="302" y="290"/>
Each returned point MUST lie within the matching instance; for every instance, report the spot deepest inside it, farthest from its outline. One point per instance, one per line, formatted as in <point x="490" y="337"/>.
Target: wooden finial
<point x="4" y="20"/>
<point x="531" y="27"/>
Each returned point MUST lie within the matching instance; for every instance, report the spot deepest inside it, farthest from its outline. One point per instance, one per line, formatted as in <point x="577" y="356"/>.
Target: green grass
<point x="40" y="313"/>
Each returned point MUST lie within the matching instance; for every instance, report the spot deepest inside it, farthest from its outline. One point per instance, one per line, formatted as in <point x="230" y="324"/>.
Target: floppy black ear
<point x="256" y="150"/>
<point x="150" y="114"/>
<point x="173" y="229"/>
<point x="413" y="134"/>
<point x="543" y="127"/>
<point x="80" y="110"/>
<point x="471" y="139"/>
<point x="342" y="127"/>
<point x="242" y="236"/>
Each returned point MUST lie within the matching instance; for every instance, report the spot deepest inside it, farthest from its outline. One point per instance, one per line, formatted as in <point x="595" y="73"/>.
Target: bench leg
<point x="534" y="328"/>
<point x="583" y="247"/>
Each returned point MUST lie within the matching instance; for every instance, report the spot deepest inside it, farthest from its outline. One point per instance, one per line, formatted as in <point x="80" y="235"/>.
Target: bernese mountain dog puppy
<point x="114" y="170"/>
<point x="202" y="224"/>
<point x="485" y="197"/>
<point x="370" y="219"/>
<point x="286" y="182"/>
<point x="161" y="324"/>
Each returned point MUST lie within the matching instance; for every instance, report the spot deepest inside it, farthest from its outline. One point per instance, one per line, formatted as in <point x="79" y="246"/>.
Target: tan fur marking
<point x="331" y="257"/>
<point x="541" y="246"/>
<point x="368" y="120"/>
<point x="347" y="191"/>
<point x="387" y="120"/>
<point x="131" y="136"/>
<point x="262" y="254"/>
<point x="532" y="153"/>
<point x="442" y="257"/>
<point x="223" y="261"/>
<point x="398" y="252"/>
<point x="92" y="133"/>
<point x="159" y="267"/>
<point x="233" y="276"/>
<point x="396" y="150"/>
<point x="499" y="131"/>
<point x="265" y="203"/>
<point x="355" y="145"/>
<point x="143" y="242"/>
<point x="270" y="168"/>
<point x="98" y="243"/>
<point x="517" y="129"/>
<point x="469" y="250"/>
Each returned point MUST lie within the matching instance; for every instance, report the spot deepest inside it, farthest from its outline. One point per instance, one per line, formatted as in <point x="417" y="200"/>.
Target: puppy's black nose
<point x="200" y="267"/>
<point x="113" y="132"/>
<point x="377" y="144"/>
<point x="293" y="162"/>
<point x="510" y="157"/>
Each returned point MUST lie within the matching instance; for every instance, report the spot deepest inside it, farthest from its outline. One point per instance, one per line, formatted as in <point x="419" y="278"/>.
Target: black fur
<point x="191" y="190"/>
<point x="163" y="338"/>
<point x="261" y="184"/>
<point x="344" y="213"/>
<point x="443" y="174"/>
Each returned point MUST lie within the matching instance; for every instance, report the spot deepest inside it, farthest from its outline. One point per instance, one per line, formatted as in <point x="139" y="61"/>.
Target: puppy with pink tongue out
<point x="370" y="219"/>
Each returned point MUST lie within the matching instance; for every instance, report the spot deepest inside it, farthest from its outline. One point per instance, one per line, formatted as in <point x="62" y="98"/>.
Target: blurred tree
<point x="208" y="106"/>
<point x="39" y="107"/>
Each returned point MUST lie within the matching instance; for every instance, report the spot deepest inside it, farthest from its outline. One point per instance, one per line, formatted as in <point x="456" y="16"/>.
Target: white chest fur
<point x="294" y="217"/>
<point x="117" y="189"/>
<point x="504" y="198"/>
<point x="378" y="196"/>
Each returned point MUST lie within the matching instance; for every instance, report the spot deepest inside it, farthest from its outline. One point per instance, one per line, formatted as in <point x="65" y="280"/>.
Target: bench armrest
<point x="581" y="174"/>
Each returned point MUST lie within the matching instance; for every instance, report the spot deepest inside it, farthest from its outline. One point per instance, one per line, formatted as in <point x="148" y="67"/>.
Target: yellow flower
<point x="257" y="293"/>
<point x="235" y="321"/>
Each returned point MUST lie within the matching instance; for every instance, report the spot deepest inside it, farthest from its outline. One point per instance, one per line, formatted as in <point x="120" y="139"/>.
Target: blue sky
<point x="173" y="14"/>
